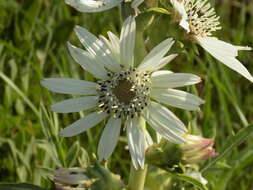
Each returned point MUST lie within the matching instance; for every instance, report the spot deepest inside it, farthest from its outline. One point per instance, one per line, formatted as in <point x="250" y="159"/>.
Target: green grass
<point x="33" y="36"/>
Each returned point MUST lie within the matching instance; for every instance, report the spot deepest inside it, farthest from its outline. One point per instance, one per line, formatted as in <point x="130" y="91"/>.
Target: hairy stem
<point x="137" y="178"/>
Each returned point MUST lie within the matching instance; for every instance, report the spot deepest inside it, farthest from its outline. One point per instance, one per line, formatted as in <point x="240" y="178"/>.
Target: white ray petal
<point x="115" y="42"/>
<point x="90" y="6"/>
<point x="136" y="141"/>
<point x="163" y="131"/>
<point x="153" y="60"/>
<point x="168" y="79"/>
<point x="100" y="52"/>
<point x="70" y="86"/>
<point x="83" y="124"/>
<point x="135" y="4"/>
<point x="177" y="98"/>
<point x="88" y="62"/>
<point x="164" y="61"/>
<point x="179" y="6"/>
<point x="158" y="137"/>
<point x="127" y="42"/>
<point x="225" y="53"/>
<point x="75" y="104"/>
<point x="113" y="45"/>
<point x="109" y="138"/>
<point x="148" y="140"/>
<point x="165" y="122"/>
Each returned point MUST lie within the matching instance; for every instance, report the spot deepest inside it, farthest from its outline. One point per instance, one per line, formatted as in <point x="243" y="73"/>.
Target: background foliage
<point x="33" y="36"/>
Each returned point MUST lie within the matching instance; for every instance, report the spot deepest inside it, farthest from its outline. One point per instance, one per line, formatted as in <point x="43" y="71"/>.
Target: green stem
<point x="137" y="178"/>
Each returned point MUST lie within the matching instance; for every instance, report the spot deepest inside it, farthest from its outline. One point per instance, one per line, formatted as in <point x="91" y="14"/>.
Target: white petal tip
<point x="64" y="134"/>
<point x="77" y="28"/>
<point x="69" y="44"/>
<point x="197" y="79"/>
<point x="100" y="159"/>
<point x="57" y="110"/>
<point x="44" y="83"/>
<point x="251" y="80"/>
<point x="170" y="41"/>
<point x="247" y="48"/>
<point x="173" y="56"/>
<point x="52" y="107"/>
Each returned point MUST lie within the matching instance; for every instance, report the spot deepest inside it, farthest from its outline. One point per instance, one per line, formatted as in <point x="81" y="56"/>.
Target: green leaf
<point x="20" y="186"/>
<point x="19" y="92"/>
<point x="73" y="154"/>
<point x="191" y="180"/>
<point x="231" y="143"/>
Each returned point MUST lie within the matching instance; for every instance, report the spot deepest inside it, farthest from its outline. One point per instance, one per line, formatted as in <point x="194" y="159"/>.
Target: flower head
<point x="90" y="6"/>
<point x="197" y="149"/>
<point x="199" y="19"/>
<point x="125" y="94"/>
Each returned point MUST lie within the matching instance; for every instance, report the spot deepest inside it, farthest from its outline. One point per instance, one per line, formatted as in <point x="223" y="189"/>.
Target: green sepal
<point x="104" y="179"/>
<point x="165" y="155"/>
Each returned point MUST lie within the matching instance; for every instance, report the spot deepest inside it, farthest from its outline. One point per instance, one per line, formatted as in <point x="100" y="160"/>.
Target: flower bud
<point x="197" y="149"/>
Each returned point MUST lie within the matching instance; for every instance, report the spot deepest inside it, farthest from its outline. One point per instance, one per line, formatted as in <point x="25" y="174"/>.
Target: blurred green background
<point x="33" y="36"/>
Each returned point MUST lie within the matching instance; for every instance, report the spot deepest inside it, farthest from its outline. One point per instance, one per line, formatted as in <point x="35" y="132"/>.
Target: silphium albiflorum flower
<point x="90" y="6"/>
<point x="199" y="19"/>
<point x="124" y="94"/>
<point x="197" y="149"/>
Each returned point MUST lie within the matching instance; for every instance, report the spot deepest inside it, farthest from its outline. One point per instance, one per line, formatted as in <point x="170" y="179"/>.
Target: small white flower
<point x="90" y="6"/>
<point x="124" y="94"/>
<point x="199" y="19"/>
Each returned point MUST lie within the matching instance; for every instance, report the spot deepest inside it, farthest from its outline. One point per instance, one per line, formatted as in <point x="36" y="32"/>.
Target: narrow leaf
<point x="191" y="180"/>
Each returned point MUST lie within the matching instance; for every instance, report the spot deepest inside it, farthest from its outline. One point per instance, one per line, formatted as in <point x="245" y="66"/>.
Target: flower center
<point x="124" y="94"/>
<point x="201" y="17"/>
<point x="123" y="91"/>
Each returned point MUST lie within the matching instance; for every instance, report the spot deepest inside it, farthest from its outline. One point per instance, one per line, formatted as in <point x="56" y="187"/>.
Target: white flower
<point x="125" y="95"/>
<point x="199" y="19"/>
<point x="90" y="6"/>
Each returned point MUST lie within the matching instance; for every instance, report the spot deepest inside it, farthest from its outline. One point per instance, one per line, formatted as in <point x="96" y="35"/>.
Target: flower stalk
<point x="137" y="178"/>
